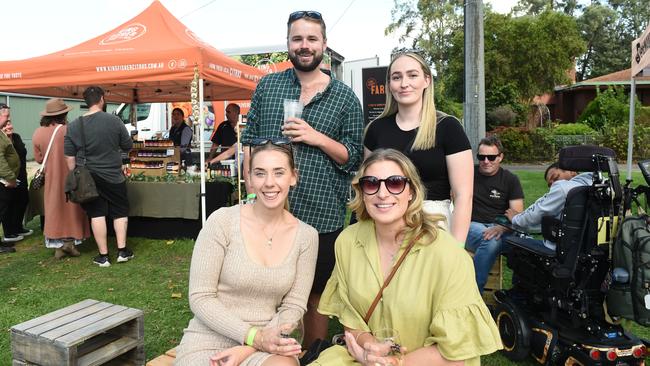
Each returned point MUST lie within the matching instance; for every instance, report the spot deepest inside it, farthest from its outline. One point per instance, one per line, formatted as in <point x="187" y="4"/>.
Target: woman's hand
<point x="231" y="356"/>
<point x="372" y="353"/>
<point x="268" y="340"/>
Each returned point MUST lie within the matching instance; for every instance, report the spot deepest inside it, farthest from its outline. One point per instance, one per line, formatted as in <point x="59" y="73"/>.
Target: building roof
<point x="621" y="77"/>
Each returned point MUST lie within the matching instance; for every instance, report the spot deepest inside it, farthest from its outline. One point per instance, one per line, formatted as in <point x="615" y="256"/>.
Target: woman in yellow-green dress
<point x="432" y="301"/>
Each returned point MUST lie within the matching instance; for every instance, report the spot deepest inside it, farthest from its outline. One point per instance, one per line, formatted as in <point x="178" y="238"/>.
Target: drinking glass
<point x="290" y="324"/>
<point x="390" y="338"/>
<point x="292" y="108"/>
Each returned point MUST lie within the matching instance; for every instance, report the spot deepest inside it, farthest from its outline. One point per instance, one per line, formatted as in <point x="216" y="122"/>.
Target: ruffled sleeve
<point x="462" y="327"/>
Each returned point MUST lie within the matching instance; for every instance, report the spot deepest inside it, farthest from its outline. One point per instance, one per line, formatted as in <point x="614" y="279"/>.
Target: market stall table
<point x="160" y="210"/>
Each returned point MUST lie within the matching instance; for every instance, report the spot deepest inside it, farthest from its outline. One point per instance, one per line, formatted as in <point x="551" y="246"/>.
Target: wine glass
<point x="390" y="338"/>
<point x="291" y="325"/>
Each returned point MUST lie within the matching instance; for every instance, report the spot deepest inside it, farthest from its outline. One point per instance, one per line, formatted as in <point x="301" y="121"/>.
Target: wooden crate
<point x="494" y="282"/>
<point x="164" y="360"/>
<point x="87" y="333"/>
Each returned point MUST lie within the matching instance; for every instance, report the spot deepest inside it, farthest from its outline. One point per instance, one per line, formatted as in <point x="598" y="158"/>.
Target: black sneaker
<point x="4" y="250"/>
<point x="9" y="238"/>
<point x="102" y="260"/>
<point x="124" y="255"/>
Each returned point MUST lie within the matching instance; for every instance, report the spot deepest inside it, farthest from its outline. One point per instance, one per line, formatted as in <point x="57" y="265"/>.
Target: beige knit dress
<point x="229" y="293"/>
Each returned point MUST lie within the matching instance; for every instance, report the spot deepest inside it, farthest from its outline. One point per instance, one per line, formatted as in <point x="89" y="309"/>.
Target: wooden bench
<point x="87" y="333"/>
<point x="164" y="360"/>
<point x="494" y="282"/>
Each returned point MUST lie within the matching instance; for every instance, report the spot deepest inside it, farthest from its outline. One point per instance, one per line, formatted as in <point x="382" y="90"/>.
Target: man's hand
<point x="494" y="232"/>
<point x="11" y="184"/>
<point x="510" y="213"/>
<point x="298" y="130"/>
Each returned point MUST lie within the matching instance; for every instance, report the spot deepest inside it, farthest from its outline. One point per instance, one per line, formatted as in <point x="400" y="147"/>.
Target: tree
<point x="428" y="25"/>
<point x="524" y="56"/>
<point x="536" y="7"/>
<point x="598" y="27"/>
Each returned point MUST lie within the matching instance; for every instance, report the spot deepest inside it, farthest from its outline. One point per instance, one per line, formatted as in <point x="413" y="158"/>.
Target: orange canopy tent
<point x="150" y="58"/>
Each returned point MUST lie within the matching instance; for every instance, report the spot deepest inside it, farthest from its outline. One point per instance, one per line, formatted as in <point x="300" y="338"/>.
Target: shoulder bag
<point x="39" y="178"/>
<point x="79" y="184"/>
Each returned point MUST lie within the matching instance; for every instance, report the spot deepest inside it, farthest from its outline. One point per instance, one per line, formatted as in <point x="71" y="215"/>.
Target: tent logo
<point x="129" y="33"/>
<point x="266" y="65"/>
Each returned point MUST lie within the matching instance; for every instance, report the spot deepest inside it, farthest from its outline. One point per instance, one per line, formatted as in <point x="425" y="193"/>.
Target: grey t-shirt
<point x="106" y="138"/>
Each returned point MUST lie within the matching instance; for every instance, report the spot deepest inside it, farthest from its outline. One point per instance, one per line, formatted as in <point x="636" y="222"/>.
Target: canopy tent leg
<point x="202" y="155"/>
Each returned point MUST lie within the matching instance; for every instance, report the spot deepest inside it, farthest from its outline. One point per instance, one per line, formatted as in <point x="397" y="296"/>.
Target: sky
<point x="355" y="28"/>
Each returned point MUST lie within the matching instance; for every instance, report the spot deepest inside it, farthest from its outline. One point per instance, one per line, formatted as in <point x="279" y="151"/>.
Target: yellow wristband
<point x="250" y="338"/>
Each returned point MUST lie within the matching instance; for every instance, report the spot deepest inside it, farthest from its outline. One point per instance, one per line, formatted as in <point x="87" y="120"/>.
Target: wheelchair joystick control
<point x="620" y="275"/>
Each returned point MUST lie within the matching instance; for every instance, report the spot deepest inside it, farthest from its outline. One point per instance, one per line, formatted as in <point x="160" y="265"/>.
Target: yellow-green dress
<point x="432" y="299"/>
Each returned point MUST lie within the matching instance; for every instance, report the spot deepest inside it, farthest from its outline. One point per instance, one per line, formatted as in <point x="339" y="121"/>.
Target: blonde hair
<point x="426" y="136"/>
<point x="417" y="221"/>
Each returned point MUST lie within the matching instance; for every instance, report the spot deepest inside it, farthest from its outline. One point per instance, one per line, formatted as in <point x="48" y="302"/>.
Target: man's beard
<point x="295" y="60"/>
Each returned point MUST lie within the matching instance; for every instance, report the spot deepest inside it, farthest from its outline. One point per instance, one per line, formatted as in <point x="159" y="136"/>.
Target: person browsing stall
<point x="251" y="264"/>
<point x="495" y="190"/>
<point x="431" y="302"/>
<point x="327" y="139"/>
<point x="9" y="170"/>
<point x="434" y="141"/>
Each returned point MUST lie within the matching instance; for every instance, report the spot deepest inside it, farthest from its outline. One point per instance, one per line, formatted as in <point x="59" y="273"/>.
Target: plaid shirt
<point x="321" y="194"/>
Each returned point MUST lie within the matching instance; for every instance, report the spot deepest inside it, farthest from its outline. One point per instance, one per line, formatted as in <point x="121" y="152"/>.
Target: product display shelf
<point x="154" y="158"/>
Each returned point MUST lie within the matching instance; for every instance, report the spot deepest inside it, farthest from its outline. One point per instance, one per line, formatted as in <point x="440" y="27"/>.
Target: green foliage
<point x="525" y="145"/>
<point x="263" y="58"/>
<point x="609" y="108"/>
<point x="573" y="129"/>
<point x="616" y="137"/>
<point x="428" y="25"/>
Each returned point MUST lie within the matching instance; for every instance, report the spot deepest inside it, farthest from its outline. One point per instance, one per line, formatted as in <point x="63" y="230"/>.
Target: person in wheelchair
<point x="550" y="204"/>
<point x="397" y="270"/>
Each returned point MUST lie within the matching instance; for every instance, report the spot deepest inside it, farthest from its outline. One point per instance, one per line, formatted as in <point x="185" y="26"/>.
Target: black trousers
<point x="12" y="223"/>
<point x="5" y="199"/>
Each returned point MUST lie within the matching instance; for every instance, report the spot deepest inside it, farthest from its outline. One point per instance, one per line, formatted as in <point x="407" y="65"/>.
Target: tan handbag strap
<point x="390" y="277"/>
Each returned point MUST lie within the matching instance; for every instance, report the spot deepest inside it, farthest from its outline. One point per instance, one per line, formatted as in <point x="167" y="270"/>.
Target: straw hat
<point x="54" y="107"/>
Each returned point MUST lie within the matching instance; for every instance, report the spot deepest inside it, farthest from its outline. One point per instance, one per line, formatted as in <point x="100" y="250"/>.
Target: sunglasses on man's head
<point x="304" y="13"/>
<point x="395" y="184"/>
<point x="490" y="157"/>
<point x="4" y="106"/>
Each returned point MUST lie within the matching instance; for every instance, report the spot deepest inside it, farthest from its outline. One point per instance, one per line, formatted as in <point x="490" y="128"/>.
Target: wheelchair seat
<point x="532" y="245"/>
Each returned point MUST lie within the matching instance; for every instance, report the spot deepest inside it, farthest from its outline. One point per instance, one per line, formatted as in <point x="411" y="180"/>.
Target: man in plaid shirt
<point x="326" y="142"/>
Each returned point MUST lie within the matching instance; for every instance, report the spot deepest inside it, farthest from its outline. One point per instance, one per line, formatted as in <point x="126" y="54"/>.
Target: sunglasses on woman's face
<point x="395" y="184"/>
<point x="490" y="157"/>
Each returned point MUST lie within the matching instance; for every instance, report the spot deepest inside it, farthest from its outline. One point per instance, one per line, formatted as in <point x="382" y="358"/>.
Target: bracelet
<point x="250" y="338"/>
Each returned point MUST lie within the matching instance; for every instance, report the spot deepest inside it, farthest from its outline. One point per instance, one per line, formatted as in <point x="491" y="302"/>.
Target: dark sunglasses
<point x="304" y="13"/>
<point x="278" y="141"/>
<point x="4" y="106"/>
<point x="395" y="184"/>
<point x="481" y="157"/>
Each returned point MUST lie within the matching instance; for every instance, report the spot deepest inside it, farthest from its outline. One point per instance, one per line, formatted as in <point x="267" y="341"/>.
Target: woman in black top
<point x="435" y="142"/>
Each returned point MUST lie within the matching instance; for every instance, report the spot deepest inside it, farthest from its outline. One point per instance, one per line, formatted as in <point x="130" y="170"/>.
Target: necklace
<point x="269" y="238"/>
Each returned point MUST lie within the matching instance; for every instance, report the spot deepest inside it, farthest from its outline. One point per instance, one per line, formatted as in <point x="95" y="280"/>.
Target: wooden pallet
<point x="164" y="360"/>
<point x="87" y="333"/>
<point x="494" y="282"/>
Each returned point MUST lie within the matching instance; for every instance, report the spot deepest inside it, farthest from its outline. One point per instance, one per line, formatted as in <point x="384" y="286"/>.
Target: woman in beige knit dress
<point x="250" y="263"/>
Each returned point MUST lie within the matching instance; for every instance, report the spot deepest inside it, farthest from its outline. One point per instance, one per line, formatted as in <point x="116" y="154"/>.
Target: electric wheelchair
<point x="555" y="310"/>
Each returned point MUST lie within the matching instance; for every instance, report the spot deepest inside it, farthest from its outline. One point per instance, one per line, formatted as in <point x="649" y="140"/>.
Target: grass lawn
<point x="33" y="283"/>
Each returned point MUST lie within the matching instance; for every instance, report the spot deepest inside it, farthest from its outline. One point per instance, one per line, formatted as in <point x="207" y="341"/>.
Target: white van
<point x="148" y="119"/>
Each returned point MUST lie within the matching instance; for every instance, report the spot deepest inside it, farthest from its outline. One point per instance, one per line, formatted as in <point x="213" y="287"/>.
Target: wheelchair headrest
<point x="580" y="158"/>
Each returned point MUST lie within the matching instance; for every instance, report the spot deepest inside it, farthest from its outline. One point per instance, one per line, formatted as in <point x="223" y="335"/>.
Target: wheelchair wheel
<point x="514" y="331"/>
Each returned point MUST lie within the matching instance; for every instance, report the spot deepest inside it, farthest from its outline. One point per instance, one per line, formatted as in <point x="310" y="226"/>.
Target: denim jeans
<point x="485" y="251"/>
